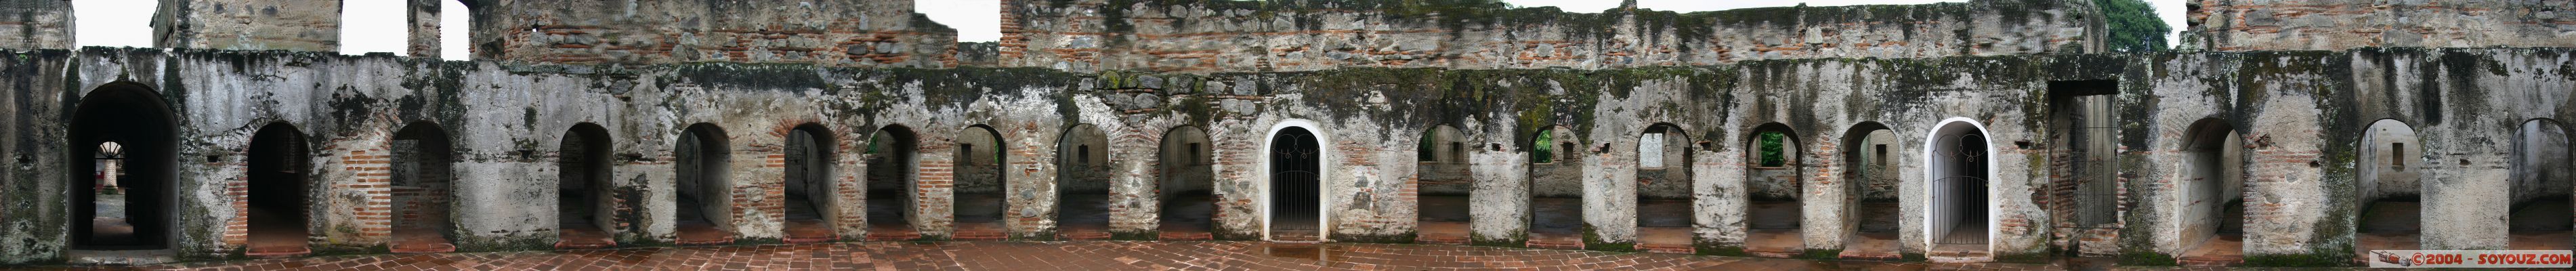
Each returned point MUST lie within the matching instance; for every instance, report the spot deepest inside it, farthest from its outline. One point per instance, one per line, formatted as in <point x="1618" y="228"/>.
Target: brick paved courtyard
<point x="1088" y="255"/>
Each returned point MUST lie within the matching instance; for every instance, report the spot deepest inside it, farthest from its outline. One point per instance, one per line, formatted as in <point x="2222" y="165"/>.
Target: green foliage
<point x="2134" y="26"/>
<point x="1546" y="149"/>
<point x="1423" y="153"/>
<point x="1770" y="146"/>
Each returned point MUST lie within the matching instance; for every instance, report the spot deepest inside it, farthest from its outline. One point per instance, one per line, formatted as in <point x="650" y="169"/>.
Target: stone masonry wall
<point x="36" y="24"/>
<point x="1305" y="35"/>
<point x="2254" y="25"/>
<point x="869" y="33"/>
<point x="248" y="25"/>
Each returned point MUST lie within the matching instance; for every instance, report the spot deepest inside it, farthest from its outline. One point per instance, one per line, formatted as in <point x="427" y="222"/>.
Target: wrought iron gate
<point x="1293" y="185"/>
<point x="1968" y="180"/>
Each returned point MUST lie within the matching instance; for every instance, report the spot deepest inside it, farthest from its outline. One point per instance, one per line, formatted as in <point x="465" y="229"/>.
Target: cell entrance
<point x="1556" y="189"/>
<point x="586" y="201"/>
<point x="1082" y="183"/>
<point x="809" y="208"/>
<point x="2391" y="219"/>
<point x="980" y="197"/>
<point x="2212" y="200"/>
<point x="2541" y="179"/>
<point x="1188" y="185"/>
<point x="1443" y="186"/>
<point x="278" y="216"/>
<point x="1295" y="166"/>
<point x="1870" y="194"/>
<point x="1959" y="200"/>
<point x="1774" y="216"/>
<point x="704" y="199"/>
<point x="891" y="162"/>
<point x="1663" y="192"/>
<point x="420" y="188"/>
<point x="121" y="197"/>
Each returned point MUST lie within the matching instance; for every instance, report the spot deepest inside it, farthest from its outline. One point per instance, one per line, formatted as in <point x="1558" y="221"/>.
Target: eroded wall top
<point x="248" y="25"/>
<point x="854" y="33"/>
<point x="2253" y="25"/>
<point x="1295" y="35"/>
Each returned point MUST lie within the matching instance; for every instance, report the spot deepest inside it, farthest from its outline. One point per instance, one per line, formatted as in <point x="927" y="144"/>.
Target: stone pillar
<point x="424" y="28"/>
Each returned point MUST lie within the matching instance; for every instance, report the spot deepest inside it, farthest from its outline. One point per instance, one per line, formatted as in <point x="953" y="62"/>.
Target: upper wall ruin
<point x="2256" y="25"/>
<point x="1300" y="35"/>
<point x="247" y="25"/>
<point x="36" y="24"/>
<point x="867" y="33"/>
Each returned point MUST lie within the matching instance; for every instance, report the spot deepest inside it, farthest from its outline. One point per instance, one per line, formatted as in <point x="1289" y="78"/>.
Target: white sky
<point x="377" y="25"/>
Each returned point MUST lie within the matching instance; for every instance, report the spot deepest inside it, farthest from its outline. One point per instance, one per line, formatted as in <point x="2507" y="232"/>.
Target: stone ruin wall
<point x="1306" y="35"/>
<point x="507" y="110"/>
<point x="2261" y="25"/>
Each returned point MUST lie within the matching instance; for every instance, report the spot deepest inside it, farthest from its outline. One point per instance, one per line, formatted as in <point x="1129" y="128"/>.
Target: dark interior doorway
<point x="586" y="201"/>
<point x="981" y="195"/>
<point x="1664" y="211"/>
<point x="1188" y="185"/>
<point x="1082" y="183"/>
<point x="2542" y="173"/>
<point x="125" y="135"/>
<point x="891" y="161"/>
<point x="1443" y="185"/>
<point x="1556" y="189"/>
<point x="1295" y="166"/>
<point x="279" y="215"/>
<point x="705" y="198"/>
<point x="1775" y="182"/>
<point x="810" y="184"/>
<point x="421" y="189"/>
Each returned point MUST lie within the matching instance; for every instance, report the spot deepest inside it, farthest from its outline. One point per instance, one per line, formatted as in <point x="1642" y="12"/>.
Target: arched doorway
<point x="1082" y="183"/>
<point x="1556" y="189"/>
<point x="1870" y="181"/>
<point x="279" y="163"/>
<point x="1773" y="186"/>
<point x="1443" y="184"/>
<point x="1295" y="169"/>
<point x="980" y="195"/>
<point x="587" y="213"/>
<point x="2390" y="169"/>
<point x="1960" y="199"/>
<point x="810" y="211"/>
<point x="122" y="197"/>
<point x="420" y="188"/>
<point x="702" y="161"/>
<point x="1188" y="185"/>
<point x="2212" y="194"/>
<point x="2541" y="177"/>
<point x="891" y="162"/>
<point x="1664" y="212"/>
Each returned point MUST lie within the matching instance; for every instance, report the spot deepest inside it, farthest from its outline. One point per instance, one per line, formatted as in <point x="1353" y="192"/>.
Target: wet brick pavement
<point x="1079" y="255"/>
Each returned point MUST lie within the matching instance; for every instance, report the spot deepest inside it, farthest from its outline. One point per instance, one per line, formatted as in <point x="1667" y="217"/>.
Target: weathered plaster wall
<point x="2256" y="25"/>
<point x="1306" y="35"/>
